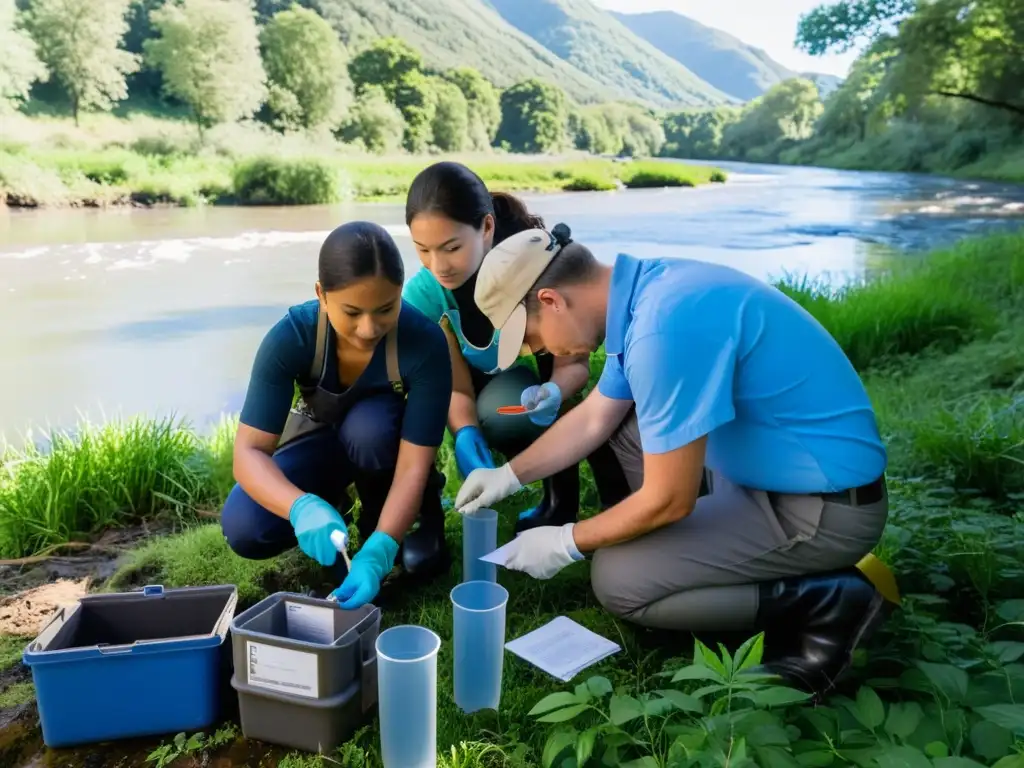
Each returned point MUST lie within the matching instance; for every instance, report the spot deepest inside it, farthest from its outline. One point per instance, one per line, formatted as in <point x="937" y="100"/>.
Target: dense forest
<point x="939" y="86"/>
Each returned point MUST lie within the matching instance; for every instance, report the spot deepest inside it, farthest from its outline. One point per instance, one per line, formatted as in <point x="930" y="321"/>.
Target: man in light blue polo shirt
<point x="708" y="369"/>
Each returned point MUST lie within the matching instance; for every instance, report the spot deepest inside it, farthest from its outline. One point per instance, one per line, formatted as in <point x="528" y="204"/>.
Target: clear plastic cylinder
<point x="479" y="537"/>
<point x="407" y="696"/>
<point x="478" y="617"/>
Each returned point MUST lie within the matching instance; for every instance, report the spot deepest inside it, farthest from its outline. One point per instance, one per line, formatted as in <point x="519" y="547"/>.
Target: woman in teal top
<point x="455" y="221"/>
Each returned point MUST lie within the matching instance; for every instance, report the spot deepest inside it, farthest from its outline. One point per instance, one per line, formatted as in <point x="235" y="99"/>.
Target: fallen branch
<point x="49" y="553"/>
<point x="982" y="100"/>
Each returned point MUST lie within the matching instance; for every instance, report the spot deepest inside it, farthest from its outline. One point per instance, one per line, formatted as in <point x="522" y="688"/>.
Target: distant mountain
<point x="724" y="61"/>
<point x="826" y="83"/>
<point x="450" y="33"/>
<point x="595" y="42"/>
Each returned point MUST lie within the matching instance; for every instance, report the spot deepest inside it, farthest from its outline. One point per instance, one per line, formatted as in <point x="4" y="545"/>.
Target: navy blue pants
<point x="324" y="464"/>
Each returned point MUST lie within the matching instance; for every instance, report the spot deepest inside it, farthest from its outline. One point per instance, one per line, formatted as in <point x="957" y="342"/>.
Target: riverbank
<point x="941" y="349"/>
<point x="110" y="162"/>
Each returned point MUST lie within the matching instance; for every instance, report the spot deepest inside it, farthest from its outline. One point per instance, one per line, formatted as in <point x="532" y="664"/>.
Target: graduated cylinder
<point x="478" y="617"/>
<point x="479" y="537"/>
<point x="407" y="692"/>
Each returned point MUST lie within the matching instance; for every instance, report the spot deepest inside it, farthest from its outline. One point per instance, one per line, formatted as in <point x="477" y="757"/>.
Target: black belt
<point x="871" y="493"/>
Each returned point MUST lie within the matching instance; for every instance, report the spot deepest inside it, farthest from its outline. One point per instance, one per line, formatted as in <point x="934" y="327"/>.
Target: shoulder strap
<point x="391" y="357"/>
<point x="316" y="368"/>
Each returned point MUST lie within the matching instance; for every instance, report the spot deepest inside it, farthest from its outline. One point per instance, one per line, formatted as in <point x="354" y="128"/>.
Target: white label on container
<point x="282" y="669"/>
<point x="309" y="623"/>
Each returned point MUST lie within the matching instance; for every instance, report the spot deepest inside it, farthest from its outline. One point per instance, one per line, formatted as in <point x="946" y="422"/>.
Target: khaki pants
<point x="701" y="573"/>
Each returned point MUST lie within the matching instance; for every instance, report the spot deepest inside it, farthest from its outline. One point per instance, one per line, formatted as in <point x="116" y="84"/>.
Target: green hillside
<point x="725" y="61"/>
<point x="601" y="47"/>
<point x="450" y="33"/>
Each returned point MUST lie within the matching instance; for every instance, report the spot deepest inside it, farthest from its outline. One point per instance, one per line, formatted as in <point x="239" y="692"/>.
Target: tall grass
<point x="103" y="476"/>
<point x="951" y="298"/>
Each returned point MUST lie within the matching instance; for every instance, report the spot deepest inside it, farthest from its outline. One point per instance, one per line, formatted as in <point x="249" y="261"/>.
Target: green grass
<point x="652" y="173"/>
<point x="941" y="683"/>
<point x="110" y="161"/>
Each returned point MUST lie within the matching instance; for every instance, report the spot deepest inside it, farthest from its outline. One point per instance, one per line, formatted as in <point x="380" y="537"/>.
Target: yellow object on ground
<point x="878" y="573"/>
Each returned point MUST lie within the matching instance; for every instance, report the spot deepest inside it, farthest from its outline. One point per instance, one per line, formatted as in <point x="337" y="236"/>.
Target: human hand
<point x="544" y="551"/>
<point x="314" y="520"/>
<point x="485" y="487"/>
<point x="471" y="451"/>
<point x="542" y="402"/>
<point x="372" y="563"/>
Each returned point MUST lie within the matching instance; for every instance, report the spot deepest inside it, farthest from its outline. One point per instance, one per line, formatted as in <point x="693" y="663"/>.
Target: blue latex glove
<point x="542" y="402"/>
<point x="471" y="451"/>
<point x="314" y="520"/>
<point x="371" y="564"/>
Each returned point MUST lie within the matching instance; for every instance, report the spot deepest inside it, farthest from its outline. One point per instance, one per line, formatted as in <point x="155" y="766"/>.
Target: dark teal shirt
<point x="286" y="354"/>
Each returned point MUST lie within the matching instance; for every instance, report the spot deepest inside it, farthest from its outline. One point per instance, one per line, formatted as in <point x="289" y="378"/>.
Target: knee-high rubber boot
<point x="424" y="551"/>
<point x="612" y="486"/>
<point x="824" y="617"/>
<point x="561" y="502"/>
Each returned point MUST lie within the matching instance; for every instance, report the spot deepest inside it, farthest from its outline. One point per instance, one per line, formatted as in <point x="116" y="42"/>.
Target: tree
<point x="534" y="117"/>
<point x="787" y="112"/>
<point x="79" y="41"/>
<point x="839" y="26"/>
<point x="646" y="136"/>
<point x="375" y="122"/>
<point x="386" y="62"/>
<point x="416" y="95"/>
<point x="306" y="68"/>
<point x="450" y="126"/>
<point x="591" y="133"/>
<point x="20" y="65"/>
<point x="208" y="52"/>
<point x="483" y="103"/>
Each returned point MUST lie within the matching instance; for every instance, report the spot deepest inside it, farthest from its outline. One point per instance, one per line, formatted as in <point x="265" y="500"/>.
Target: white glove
<point x="485" y="487"/>
<point x="544" y="551"/>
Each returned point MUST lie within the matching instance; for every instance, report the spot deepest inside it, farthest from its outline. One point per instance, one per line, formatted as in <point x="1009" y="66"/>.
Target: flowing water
<point x="160" y="311"/>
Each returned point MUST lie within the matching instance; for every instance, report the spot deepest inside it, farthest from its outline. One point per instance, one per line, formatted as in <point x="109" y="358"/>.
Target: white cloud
<point x="767" y="24"/>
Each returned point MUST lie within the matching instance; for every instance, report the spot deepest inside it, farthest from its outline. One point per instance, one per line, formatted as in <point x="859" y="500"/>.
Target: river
<point x="160" y="311"/>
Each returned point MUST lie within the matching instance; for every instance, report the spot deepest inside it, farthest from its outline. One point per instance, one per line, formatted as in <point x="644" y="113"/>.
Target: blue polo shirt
<point x="286" y="354"/>
<point x="705" y="349"/>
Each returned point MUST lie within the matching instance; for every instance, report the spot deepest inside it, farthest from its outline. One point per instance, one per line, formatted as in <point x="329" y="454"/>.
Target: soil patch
<point x="26" y="613"/>
<point x="96" y="560"/>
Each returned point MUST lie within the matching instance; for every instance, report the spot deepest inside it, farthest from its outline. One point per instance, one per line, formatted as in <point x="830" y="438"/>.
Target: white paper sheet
<point x="562" y="648"/>
<point x="309" y="623"/>
<point x="500" y="556"/>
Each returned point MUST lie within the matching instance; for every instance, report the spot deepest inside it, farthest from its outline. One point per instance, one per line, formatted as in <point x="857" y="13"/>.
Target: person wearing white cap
<point x="710" y="374"/>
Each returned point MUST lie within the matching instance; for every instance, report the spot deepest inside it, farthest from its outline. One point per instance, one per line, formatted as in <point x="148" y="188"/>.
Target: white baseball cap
<point x="508" y="272"/>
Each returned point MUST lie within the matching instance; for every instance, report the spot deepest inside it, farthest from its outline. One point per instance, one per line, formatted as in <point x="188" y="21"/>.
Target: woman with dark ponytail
<point x="374" y="386"/>
<point x="454" y="221"/>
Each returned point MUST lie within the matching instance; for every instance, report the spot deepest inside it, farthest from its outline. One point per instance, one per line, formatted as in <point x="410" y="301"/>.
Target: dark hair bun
<point x="562" y="234"/>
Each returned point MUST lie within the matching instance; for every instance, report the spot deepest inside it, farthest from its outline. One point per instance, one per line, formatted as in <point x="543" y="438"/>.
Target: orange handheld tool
<point x="508" y="410"/>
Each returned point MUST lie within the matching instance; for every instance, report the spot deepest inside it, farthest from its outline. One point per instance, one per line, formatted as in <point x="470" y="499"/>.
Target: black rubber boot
<point x="561" y="502"/>
<point x="424" y="552"/>
<point x="821" y="620"/>
<point x="609" y="478"/>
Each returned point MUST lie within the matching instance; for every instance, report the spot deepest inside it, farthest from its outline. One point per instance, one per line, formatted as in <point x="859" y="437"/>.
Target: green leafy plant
<point x="716" y="724"/>
<point x="184" y="745"/>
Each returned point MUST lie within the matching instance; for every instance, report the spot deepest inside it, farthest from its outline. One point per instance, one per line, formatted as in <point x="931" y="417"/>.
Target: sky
<point x="752" y="22"/>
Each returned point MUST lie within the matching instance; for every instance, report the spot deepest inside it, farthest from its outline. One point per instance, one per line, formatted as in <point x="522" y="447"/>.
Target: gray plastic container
<point x="305" y="684"/>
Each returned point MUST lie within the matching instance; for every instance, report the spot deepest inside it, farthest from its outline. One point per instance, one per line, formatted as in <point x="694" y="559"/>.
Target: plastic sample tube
<point x="407" y="696"/>
<point x="478" y="617"/>
<point x="479" y="537"/>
